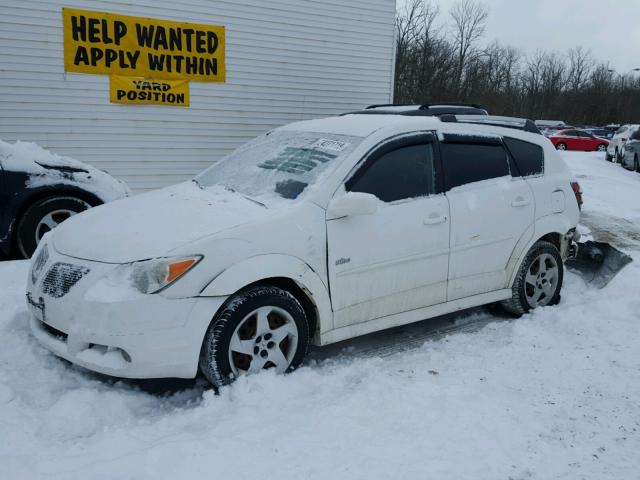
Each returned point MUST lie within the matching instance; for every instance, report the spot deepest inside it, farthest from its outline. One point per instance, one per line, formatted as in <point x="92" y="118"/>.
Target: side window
<point x="405" y="172"/>
<point x="529" y="157"/>
<point x="470" y="162"/>
<point x="621" y="130"/>
<point x="636" y="135"/>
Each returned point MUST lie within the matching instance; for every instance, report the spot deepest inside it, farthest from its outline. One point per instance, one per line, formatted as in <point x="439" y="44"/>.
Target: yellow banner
<point x="108" y="43"/>
<point x="147" y="91"/>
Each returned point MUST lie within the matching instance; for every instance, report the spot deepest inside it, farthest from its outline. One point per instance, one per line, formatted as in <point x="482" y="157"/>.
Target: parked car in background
<point x="601" y="132"/>
<point x="544" y="124"/>
<point x="549" y="131"/>
<point x="574" y="139"/>
<point x="615" y="150"/>
<point x="631" y="157"/>
<point x="39" y="190"/>
<point x="315" y="232"/>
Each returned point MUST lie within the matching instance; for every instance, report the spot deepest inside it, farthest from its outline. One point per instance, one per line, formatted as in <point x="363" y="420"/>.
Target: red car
<point x="573" y="139"/>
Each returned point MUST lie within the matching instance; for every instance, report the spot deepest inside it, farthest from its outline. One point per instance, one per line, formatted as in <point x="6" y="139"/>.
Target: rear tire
<point x="636" y="164"/>
<point x="43" y="216"/>
<point x="539" y="280"/>
<point x="601" y="148"/>
<point x="261" y="327"/>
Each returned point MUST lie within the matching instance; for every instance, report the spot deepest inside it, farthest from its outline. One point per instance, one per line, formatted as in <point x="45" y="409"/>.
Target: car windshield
<point x="279" y="164"/>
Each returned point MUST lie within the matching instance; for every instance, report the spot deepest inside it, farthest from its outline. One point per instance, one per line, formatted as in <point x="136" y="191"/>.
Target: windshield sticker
<point x="297" y="160"/>
<point x="330" y="145"/>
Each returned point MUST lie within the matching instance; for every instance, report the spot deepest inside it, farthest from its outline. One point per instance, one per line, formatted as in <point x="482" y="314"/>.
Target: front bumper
<point x="131" y="336"/>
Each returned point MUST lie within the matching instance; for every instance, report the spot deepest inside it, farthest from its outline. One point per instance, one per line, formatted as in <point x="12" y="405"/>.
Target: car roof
<point x="365" y="125"/>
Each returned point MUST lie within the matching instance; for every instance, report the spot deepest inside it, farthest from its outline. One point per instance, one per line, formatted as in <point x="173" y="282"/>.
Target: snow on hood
<point x="153" y="224"/>
<point x="47" y="168"/>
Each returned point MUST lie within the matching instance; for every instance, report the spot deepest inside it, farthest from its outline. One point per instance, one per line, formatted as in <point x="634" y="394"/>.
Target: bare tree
<point x="469" y="22"/>
<point x="433" y="63"/>
<point x="580" y="65"/>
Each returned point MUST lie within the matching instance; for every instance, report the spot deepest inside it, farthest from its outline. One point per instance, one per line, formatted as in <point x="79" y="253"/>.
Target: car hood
<point x="154" y="224"/>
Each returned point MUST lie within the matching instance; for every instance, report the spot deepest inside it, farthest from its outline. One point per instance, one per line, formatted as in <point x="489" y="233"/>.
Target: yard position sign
<point x="151" y="49"/>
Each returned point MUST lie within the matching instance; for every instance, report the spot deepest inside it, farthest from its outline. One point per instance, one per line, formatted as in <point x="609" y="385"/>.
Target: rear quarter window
<point x="528" y="157"/>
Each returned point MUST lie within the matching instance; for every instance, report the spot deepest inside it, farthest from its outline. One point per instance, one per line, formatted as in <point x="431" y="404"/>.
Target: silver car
<point x="617" y="144"/>
<point x="631" y="156"/>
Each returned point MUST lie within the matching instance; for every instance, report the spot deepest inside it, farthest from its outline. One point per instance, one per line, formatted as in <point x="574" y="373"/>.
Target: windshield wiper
<point x="227" y="187"/>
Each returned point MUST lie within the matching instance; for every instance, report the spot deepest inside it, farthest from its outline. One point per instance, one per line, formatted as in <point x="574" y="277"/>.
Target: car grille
<point x="61" y="277"/>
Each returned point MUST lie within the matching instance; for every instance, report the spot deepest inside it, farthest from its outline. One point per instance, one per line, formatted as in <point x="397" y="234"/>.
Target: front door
<point x="395" y="259"/>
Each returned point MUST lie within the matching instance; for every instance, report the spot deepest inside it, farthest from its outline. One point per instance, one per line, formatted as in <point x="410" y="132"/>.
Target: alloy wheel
<point x="541" y="280"/>
<point x="51" y="221"/>
<point x="265" y="338"/>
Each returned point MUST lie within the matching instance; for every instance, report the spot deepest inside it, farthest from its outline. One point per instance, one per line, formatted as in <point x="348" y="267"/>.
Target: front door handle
<point x="520" y="202"/>
<point x="434" y="219"/>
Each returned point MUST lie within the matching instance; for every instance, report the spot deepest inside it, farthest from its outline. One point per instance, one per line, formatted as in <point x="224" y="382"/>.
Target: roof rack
<point x="380" y="105"/>
<point x="494" y="120"/>
<point x="425" y="106"/>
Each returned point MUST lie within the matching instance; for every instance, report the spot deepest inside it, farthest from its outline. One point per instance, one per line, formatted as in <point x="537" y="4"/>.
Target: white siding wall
<point x="286" y="60"/>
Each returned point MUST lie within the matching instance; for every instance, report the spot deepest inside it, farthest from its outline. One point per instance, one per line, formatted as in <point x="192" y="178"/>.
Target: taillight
<point x="575" y="186"/>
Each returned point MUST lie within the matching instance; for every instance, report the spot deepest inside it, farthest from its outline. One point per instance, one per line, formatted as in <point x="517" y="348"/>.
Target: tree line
<point x="446" y="61"/>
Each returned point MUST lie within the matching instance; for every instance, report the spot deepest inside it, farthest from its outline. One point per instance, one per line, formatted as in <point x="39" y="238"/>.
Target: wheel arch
<point x="283" y="271"/>
<point x="550" y="228"/>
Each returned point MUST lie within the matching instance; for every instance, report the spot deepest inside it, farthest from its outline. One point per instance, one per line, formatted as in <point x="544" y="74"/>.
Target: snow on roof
<point x="360" y="125"/>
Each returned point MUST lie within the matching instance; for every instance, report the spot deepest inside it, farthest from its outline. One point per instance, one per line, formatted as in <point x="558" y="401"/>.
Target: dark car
<point x="601" y="132"/>
<point x="39" y="190"/>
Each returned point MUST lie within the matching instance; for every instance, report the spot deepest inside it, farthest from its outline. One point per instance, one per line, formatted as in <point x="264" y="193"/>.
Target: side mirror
<point x="352" y="204"/>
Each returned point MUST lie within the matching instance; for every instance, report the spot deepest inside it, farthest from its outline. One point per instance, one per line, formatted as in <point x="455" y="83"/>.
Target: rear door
<point x="492" y="211"/>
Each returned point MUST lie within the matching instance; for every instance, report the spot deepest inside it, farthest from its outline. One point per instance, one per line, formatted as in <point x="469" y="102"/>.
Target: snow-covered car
<point x="631" y="158"/>
<point x="615" y="149"/>
<point x="39" y="190"/>
<point x="315" y="232"/>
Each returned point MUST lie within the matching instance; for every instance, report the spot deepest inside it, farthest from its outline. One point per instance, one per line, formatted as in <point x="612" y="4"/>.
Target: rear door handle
<point x="520" y="202"/>
<point x="434" y="219"/>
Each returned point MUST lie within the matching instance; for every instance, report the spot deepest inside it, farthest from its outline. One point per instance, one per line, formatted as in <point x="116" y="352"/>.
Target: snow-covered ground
<point x="554" y="394"/>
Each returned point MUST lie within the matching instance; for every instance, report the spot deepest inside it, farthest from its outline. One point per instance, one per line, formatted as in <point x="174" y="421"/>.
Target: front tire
<point x="608" y="158"/>
<point x="260" y="328"/>
<point x="601" y="148"/>
<point x="636" y="164"/>
<point x="561" y="146"/>
<point x="539" y="280"/>
<point x="42" y="217"/>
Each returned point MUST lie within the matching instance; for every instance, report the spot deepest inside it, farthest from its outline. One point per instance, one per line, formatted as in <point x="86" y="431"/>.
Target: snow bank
<point x="551" y="395"/>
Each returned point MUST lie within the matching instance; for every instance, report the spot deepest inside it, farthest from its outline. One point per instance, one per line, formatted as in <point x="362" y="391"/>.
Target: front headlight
<point x="39" y="263"/>
<point x="151" y="276"/>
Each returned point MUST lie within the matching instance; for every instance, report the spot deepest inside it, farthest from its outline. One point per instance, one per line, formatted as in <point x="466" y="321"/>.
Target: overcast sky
<point x="610" y="28"/>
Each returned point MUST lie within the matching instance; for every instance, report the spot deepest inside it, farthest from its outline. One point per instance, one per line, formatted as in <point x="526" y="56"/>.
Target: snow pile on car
<point x="42" y="165"/>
